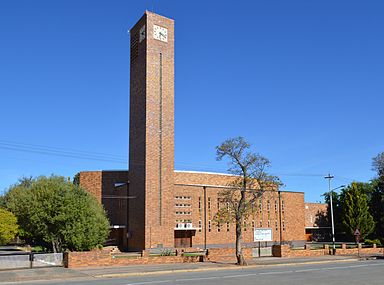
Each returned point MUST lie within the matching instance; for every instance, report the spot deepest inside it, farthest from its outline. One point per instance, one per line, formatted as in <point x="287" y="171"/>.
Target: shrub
<point x="8" y="226"/>
<point x="370" y="242"/>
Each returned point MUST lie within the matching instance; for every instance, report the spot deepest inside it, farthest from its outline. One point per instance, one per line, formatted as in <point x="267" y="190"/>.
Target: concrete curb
<point x="231" y="267"/>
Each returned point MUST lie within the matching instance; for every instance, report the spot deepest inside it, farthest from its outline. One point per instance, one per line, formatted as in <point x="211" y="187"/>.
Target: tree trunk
<point x="239" y="252"/>
<point x="239" y="223"/>
<point x="56" y="245"/>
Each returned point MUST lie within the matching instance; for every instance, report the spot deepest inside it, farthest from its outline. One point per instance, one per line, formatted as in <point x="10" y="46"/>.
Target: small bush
<point x="167" y="252"/>
<point x="8" y="226"/>
<point x="38" y="248"/>
<point x="374" y="241"/>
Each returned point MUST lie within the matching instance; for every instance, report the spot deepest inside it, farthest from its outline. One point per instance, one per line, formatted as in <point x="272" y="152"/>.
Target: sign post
<point x="262" y="235"/>
<point x="357" y="237"/>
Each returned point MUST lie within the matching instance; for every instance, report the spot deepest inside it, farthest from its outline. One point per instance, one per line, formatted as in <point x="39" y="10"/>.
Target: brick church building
<point x="151" y="205"/>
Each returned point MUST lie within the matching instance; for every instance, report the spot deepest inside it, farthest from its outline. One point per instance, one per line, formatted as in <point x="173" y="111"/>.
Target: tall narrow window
<point x="200" y="225"/>
<point x="228" y="225"/>
<point x="209" y="225"/>
<point x="253" y="225"/>
<point x="199" y="204"/>
<point x="160" y="138"/>
<point x="209" y="203"/>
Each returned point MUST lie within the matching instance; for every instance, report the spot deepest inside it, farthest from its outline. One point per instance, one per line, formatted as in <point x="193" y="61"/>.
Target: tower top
<point x="153" y="17"/>
<point x="147" y="12"/>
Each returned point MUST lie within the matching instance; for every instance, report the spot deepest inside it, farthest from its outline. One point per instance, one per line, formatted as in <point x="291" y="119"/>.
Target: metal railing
<point x="30" y="260"/>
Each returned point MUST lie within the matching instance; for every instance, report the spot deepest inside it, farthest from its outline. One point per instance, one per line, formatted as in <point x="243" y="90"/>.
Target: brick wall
<point x="360" y="250"/>
<point x="227" y="254"/>
<point x="315" y="213"/>
<point x="287" y="251"/>
<point x="285" y="215"/>
<point x="91" y="181"/>
<point x="101" y="184"/>
<point x="152" y="214"/>
<point x="102" y="258"/>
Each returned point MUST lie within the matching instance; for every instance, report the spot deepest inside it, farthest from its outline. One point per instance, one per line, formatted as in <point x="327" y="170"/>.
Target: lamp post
<point x="330" y="192"/>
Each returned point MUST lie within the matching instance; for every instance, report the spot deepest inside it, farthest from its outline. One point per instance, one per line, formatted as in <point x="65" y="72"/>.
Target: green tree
<point x="251" y="182"/>
<point x="57" y="214"/>
<point x="376" y="206"/>
<point x="355" y="210"/>
<point x="76" y="179"/>
<point x="378" y="164"/>
<point x="8" y="226"/>
<point x="376" y="201"/>
<point x="2" y="202"/>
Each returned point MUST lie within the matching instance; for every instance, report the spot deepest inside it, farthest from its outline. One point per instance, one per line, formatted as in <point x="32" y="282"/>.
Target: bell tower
<point x="151" y="133"/>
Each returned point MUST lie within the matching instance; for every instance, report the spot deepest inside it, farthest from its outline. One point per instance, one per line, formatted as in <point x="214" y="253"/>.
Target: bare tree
<point x="251" y="181"/>
<point x="378" y="164"/>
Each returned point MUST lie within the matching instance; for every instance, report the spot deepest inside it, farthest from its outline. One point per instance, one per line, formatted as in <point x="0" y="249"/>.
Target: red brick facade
<point x="152" y="206"/>
<point x="317" y="226"/>
<point x="315" y="213"/>
<point x="281" y="211"/>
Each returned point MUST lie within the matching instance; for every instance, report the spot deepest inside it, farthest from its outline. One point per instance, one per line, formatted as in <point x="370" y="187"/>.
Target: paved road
<point x="362" y="272"/>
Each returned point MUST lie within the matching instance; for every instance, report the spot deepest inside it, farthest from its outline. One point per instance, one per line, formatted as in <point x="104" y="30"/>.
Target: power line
<point x="57" y="149"/>
<point x="45" y="150"/>
<point x="99" y="156"/>
<point x="300" y="174"/>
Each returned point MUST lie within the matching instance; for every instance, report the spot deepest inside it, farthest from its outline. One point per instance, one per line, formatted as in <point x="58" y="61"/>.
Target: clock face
<point x="160" y="33"/>
<point x="142" y="34"/>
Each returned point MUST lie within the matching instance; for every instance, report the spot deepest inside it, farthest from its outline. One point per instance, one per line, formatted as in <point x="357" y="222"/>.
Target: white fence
<point x="30" y="260"/>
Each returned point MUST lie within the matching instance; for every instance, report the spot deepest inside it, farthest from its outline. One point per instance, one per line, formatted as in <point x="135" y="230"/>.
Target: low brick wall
<point x="287" y="251"/>
<point x="360" y="250"/>
<point x="99" y="258"/>
<point x="103" y="258"/>
<point x="227" y="254"/>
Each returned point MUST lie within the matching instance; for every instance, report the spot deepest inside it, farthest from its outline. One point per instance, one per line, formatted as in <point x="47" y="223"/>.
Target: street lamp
<point x="330" y="192"/>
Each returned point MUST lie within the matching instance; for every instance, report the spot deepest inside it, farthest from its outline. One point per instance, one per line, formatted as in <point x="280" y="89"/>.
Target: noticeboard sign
<point x="262" y="234"/>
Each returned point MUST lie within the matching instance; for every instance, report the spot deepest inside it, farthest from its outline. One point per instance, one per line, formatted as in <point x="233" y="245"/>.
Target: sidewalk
<point x="60" y="273"/>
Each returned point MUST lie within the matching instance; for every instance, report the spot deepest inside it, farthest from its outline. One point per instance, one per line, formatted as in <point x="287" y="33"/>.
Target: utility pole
<point x="330" y="177"/>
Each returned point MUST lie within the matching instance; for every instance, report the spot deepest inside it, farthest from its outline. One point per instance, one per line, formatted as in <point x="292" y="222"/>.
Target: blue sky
<point x="303" y="81"/>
